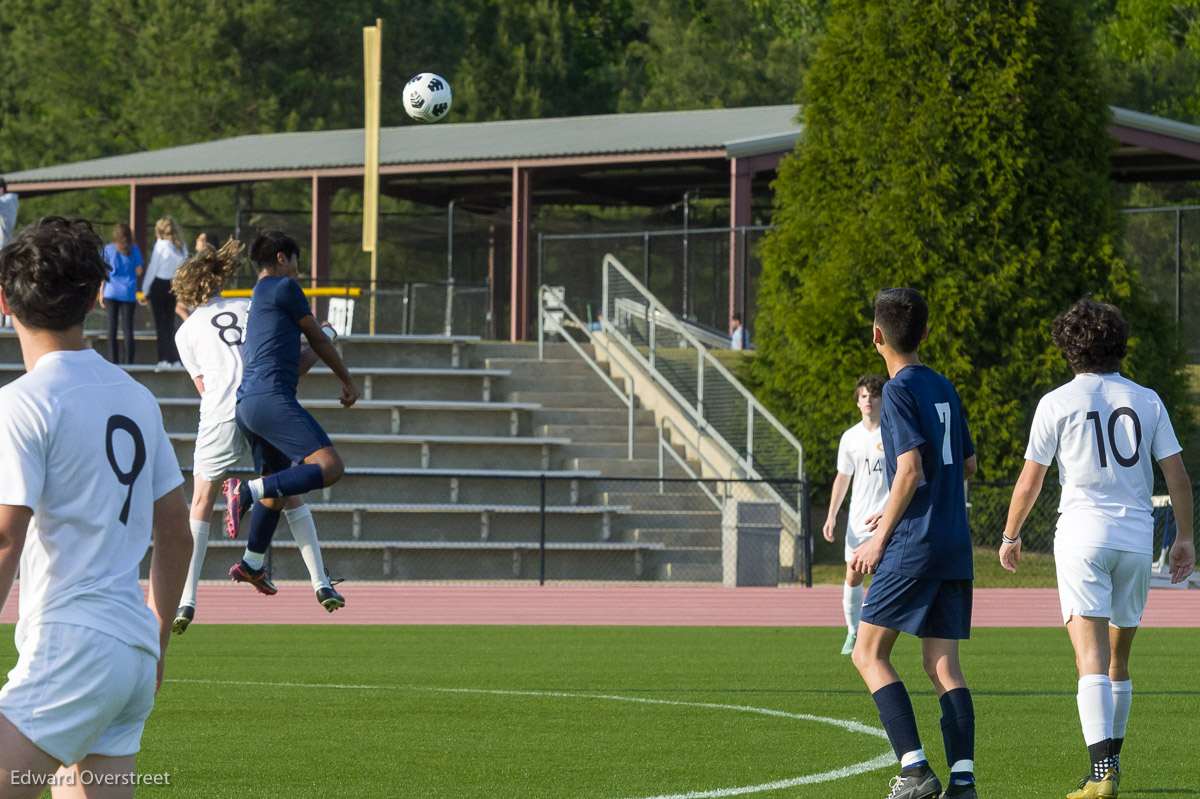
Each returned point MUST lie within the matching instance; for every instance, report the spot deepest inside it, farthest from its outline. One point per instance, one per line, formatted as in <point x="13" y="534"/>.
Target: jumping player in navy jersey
<point x="920" y="553"/>
<point x="290" y="449"/>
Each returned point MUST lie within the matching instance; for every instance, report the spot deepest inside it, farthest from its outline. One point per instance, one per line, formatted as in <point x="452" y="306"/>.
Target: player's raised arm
<point x="324" y="349"/>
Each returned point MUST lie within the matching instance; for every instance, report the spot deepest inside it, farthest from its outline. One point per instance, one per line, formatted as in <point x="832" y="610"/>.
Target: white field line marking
<point x="883" y="761"/>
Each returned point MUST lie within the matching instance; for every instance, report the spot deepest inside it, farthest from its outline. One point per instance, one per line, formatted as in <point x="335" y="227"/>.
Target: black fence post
<point x="806" y="529"/>
<point x="542" y="548"/>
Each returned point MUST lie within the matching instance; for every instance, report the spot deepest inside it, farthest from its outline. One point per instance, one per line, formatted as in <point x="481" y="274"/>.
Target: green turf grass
<point x="402" y="738"/>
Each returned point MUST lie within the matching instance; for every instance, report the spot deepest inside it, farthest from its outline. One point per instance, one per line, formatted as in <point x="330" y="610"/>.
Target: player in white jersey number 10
<point x="89" y="480"/>
<point x="210" y="346"/>
<point x="1105" y="431"/>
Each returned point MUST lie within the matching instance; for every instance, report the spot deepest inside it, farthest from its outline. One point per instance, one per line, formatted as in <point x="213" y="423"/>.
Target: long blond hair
<point x="168" y="228"/>
<point x="201" y="277"/>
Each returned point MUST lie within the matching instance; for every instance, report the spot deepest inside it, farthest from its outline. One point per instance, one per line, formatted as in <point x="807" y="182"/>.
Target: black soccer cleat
<point x="241" y="573"/>
<point x="183" y="617"/>
<point x="330" y="599"/>
<point x="961" y="792"/>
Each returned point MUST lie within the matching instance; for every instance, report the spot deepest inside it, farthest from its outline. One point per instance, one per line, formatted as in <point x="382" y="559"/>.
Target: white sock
<point x="1095" y="699"/>
<point x="254" y="559"/>
<point x="852" y="597"/>
<point x="912" y="758"/>
<point x="1122" y="693"/>
<point x="199" y="547"/>
<point x="256" y="488"/>
<point x="304" y="531"/>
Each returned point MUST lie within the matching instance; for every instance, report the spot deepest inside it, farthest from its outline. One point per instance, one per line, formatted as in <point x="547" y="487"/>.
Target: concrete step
<point x="532" y="367"/>
<point x="595" y="433"/>
<point x="581" y="385"/>
<point x="677" y="538"/>
<point x="388" y="416"/>
<point x="617" y="468"/>
<point x="439" y="560"/>
<point x="564" y="400"/>
<point x="686" y="572"/>
<point x="593" y="416"/>
<point x="409" y="451"/>
<point x="401" y="350"/>
<point x="523" y="350"/>
<point x="675" y="518"/>
<point x="478" y="486"/>
<point x="642" y="450"/>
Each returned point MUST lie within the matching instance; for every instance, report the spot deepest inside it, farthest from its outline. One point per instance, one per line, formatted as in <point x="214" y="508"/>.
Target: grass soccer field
<point x="624" y="713"/>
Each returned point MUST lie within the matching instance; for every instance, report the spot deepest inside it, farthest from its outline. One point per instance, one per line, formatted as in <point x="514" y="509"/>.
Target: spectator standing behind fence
<point x="1104" y="429"/>
<point x="119" y="293"/>
<point x="737" y="334"/>
<point x="169" y="251"/>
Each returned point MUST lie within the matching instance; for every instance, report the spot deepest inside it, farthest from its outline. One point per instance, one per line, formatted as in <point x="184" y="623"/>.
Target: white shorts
<point x="77" y="692"/>
<point x="218" y="448"/>
<point x="1103" y="583"/>
<point x="855" y="540"/>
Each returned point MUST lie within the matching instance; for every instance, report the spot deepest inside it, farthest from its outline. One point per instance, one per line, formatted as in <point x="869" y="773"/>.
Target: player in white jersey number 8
<point x="210" y="346"/>
<point x="1104" y="430"/>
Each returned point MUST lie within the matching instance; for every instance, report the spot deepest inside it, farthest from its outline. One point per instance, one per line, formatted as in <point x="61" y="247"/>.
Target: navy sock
<point x="294" y="481"/>
<point x="899" y="720"/>
<point x="958" y="732"/>
<point x="263" y="522"/>
<point x="1101" y="754"/>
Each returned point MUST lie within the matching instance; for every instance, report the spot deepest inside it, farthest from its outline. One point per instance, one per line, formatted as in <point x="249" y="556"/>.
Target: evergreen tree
<point x="960" y="148"/>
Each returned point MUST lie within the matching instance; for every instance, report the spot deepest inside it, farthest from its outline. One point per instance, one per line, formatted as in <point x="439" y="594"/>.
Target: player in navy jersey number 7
<point x="920" y="553"/>
<point x="89" y="481"/>
<point x="280" y="432"/>
<point x="1105" y="431"/>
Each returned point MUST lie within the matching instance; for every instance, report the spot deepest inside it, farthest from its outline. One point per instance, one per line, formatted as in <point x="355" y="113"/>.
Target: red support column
<point x="139" y="209"/>
<point x="322" y="197"/>
<point x="741" y="178"/>
<point x="519" y="294"/>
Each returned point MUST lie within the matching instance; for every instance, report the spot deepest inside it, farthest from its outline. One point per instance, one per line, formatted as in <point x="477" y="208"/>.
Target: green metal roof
<point x="611" y="134"/>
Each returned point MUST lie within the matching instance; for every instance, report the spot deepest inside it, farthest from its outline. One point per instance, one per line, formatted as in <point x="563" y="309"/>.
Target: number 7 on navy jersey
<point x="943" y="412"/>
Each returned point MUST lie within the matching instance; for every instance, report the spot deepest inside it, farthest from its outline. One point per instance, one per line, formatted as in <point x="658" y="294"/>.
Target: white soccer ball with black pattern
<point x="427" y="97"/>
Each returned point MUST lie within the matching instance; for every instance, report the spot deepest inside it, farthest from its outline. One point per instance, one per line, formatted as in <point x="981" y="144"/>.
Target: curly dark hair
<point x="872" y="383"/>
<point x="51" y="272"/>
<point x="902" y="315"/>
<point x="202" y="276"/>
<point x="1093" y="337"/>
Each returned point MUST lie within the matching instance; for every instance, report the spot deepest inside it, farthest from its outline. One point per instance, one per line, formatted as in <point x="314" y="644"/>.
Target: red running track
<point x="637" y="605"/>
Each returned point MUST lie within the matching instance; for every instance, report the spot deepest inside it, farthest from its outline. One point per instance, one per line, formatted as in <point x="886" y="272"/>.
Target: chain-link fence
<point x="1163" y="244"/>
<point x="544" y="528"/>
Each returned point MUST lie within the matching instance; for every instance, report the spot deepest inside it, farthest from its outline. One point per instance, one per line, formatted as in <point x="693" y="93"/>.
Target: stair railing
<point x="557" y="306"/>
<point x="619" y="283"/>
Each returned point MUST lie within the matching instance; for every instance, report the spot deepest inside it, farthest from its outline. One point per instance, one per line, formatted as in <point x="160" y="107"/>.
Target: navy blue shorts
<point x="279" y="431"/>
<point x="924" y="608"/>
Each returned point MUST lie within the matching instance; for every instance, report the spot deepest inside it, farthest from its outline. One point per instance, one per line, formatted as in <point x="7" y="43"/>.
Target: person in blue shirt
<point x="920" y="553"/>
<point x="119" y="293"/>
<point x="290" y="449"/>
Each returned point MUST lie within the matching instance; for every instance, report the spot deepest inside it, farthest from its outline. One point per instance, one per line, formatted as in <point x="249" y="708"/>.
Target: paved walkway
<point x="638" y="605"/>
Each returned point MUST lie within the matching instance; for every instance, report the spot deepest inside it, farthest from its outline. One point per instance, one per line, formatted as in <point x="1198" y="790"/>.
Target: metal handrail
<point x="662" y="445"/>
<point x="703" y="357"/>
<point x="628" y="398"/>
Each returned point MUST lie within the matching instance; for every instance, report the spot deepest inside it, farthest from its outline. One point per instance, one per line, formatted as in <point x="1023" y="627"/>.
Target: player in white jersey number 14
<point x="210" y="347"/>
<point x="859" y="458"/>
<point x="1105" y="431"/>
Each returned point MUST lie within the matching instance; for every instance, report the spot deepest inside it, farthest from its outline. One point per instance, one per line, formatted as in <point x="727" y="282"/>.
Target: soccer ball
<point x="427" y="97"/>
